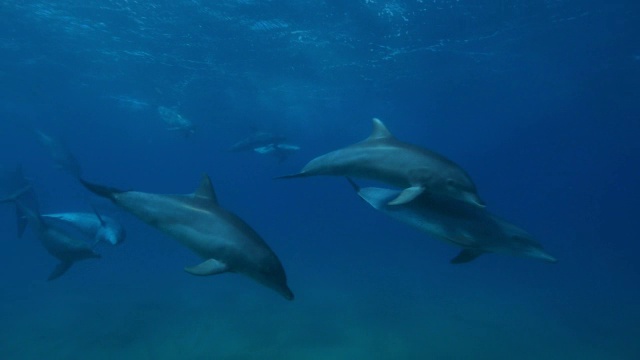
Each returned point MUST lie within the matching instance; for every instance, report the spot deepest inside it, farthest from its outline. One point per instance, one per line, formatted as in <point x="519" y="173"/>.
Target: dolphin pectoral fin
<point x="466" y="256"/>
<point x="209" y="267"/>
<point x="59" y="270"/>
<point x="407" y="195"/>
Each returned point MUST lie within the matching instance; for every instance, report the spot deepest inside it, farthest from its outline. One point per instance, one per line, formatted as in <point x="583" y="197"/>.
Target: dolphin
<point x="93" y="225"/>
<point x="257" y="140"/>
<point x="13" y="182"/>
<point x="175" y="121"/>
<point x="60" y="153"/>
<point x="197" y="221"/>
<point x="384" y="158"/>
<point x="280" y="151"/>
<point x="57" y="242"/>
<point x="473" y="229"/>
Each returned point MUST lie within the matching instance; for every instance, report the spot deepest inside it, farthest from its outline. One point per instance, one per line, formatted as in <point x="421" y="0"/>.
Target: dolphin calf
<point x="197" y="221"/>
<point x="473" y="229"/>
<point x="384" y="158"/>
<point x="93" y="225"/>
<point x="58" y="243"/>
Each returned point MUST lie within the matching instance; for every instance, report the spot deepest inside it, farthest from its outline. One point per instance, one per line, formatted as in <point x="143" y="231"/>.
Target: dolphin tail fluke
<point x="100" y="190"/>
<point x="16" y="195"/>
<point x="59" y="270"/>
<point x="466" y="256"/>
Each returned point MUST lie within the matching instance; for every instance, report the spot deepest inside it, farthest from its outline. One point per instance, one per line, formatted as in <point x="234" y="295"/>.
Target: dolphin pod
<point x="384" y="158"/>
<point x="222" y="239"/>
<point x="436" y="196"/>
<point x="473" y="229"/>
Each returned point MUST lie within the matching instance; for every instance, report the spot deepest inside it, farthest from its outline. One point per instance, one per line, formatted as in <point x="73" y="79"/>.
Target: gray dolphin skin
<point x="384" y="158"/>
<point x="93" y="225"/>
<point x="58" y="243"/>
<point x="225" y="241"/>
<point x="474" y="229"/>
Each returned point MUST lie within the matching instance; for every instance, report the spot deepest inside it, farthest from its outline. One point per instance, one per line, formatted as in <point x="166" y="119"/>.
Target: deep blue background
<point x="537" y="100"/>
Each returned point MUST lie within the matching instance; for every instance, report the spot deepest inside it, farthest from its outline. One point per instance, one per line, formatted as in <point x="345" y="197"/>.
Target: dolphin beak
<point x="474" y="199"/>
<point x="542" y="255"/>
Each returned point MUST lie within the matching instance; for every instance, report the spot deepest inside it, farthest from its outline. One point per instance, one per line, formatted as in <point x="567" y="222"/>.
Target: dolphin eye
<point x="451" y="183"/>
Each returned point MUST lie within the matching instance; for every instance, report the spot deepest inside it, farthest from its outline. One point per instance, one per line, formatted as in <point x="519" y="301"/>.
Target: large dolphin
<point x="93" y="225"/>
<point x="57" y="242"/>
<point x="225" y="241"/>
<point x="384" y="158"/>
<point x="473" y="229"/>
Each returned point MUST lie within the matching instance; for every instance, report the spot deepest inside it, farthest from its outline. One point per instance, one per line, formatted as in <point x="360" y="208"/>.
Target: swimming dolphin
<point x="280" y="151"/>
<point x="175" y="121"/>
<point x="384" y="158"/>
<point x="13" y="182"/>
<point x="60" y="153"/>
<point x="474" y="229"/>
<point x="197" y="221"/>
<point x="257" y="140"/>
<point x="93" y="225"/>
<point x="57" y="242"/>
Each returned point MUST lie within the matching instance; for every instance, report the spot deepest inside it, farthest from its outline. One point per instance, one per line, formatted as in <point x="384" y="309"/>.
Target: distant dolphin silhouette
<point x="93" y="225"/>
<point x="57" y="242"/>
<point x="175" y="121"/>
<point x="384" y="158"/>
<point x="60" y="154"/>
<point x="257" y="140"/>
<point x="196" y="220"/>
<point x="458" y="223"/>
<point x="13" y="182"/>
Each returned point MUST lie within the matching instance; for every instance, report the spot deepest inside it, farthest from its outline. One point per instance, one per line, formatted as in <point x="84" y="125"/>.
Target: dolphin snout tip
<point x="288" y="294"/>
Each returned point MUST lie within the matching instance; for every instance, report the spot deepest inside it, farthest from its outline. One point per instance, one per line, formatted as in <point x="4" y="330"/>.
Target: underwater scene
<point x="332" y="179"/>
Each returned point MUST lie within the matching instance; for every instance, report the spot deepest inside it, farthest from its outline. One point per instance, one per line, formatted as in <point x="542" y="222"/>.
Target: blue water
<point x="538" y="100"/>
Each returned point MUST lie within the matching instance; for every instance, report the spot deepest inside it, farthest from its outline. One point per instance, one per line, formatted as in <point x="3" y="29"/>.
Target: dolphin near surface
<point x="197" y="221"/>
<point x="384" y="158"/>
<point x="92" y="225"/>
<point x="57" y="242"/>
<point x="473" y="229"/>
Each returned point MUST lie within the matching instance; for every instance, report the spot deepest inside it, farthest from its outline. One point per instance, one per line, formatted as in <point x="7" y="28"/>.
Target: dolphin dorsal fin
<point x="205" y="190"/>
<point x="379" y="131"/>
<point x="95" y="211"/>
